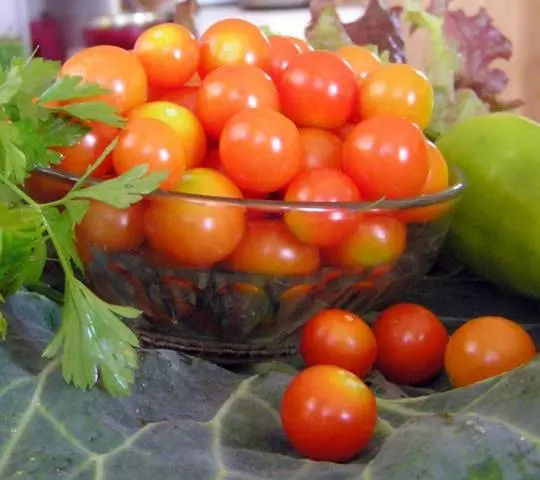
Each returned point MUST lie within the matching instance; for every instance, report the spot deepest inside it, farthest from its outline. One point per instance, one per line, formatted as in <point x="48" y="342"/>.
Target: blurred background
<point x="59" y="27"/>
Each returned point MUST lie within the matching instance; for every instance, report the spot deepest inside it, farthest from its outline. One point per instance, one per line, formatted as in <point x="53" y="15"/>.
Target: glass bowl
<point x="251" y="305"/>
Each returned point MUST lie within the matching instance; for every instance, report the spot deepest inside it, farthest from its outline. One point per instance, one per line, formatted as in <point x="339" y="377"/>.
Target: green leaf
<point x="188" y="418"/>
<point x="94" y="111"/>
<point x="328" y="33"/>
<point x="76" y="209"/>
<point x="122" y="191"/>
<point x="12" y="159"/>
<point x="11" y="83"/>
<point x="94" y="342"/>
<point x="3" y="324"/>
<point x="62" y="132"/>
<point x="37" y="74"/>
<point x="60" y="226"/>
<point x="70" y="88"/>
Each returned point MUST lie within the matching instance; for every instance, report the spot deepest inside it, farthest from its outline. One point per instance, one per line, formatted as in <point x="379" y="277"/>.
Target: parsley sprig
<point x="36" y="114"/>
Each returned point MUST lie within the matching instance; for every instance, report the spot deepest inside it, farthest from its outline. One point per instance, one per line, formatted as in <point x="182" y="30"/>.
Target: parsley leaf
<point x="12" y="159"/>
<point x="3" y="323"/>
<point x="70" y="88"/>
<point x="122" y="191"/>
<point x="94" y="111"/>
<point x="36" y="74"/>
<point x="11" y="84"/>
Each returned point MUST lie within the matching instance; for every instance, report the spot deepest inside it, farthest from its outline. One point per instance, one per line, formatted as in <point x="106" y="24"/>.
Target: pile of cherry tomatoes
<point x="329" y="413"/>
<point x="242" y="115"/>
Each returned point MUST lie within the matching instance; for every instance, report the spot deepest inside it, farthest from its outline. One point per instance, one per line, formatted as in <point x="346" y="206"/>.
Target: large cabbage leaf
<point x="191" y="420"/>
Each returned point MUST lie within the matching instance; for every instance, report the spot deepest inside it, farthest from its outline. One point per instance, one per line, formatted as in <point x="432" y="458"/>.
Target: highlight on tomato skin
<point x="340" y="338"/>
<point x="328" y="414"/>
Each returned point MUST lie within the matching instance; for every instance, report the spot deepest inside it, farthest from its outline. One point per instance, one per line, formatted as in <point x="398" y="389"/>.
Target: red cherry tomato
<point x="437" y="180"/>
<point x="46" y="188"/>
<point x="79" y="157"/>
<point x="233" y="41"/>
<point x="322" y="185"/>
<point x="387" y="158"/>
<point x="230" y="89"/>
<point x="322" y="149"/>
<point x="328" y="414"/>
<point x="185" y="96"/>
<point x="282" y="49"/>
<point x="183" y="122"/>
<point x="269" y="248"/>
<point x="485" y="347"/>
<point x="148" y="141"/>
<point x="302" y="45"/>
<point x="110" y="229"/>
<point x="113" y="68"/>
<point x="318" y="89"/>
<point x="361" y="60"/>
<point x="194" y="233"/>
<point x="411" y="343"/>
<point x="397" y="89"/>
<point x="261" y="150"/>
<point x="169" y="54"/>
<point x="377" y="240"/>
<point x="340" y="338"/>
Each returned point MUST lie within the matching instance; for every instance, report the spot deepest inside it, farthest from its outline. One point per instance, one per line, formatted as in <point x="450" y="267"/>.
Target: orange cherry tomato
<point x="110" y="229"/>
<point x="397" y="89"/>
<point x="322" y="185"/>
<point x="261" y="150"/>
<point x="322" y="149"/>
<point x="377" y="240"/>
<point x="485" y="347"/>
<point x="411" y="342"/>
<point x="183" y="122"/>
<point x="148" y="141"/>
<point x="195" y="233"/>
<point x="361" y="60"/>
<point x="112" y="68"/>
<point x="302" y="45"/>
<point x="86" y="152"/>
<point x="169" y="54"/>
<point x="318" y="89"/>
<point x="340" y="338"/>
<point x="328" y="414"/>
<point x="344" y="131"/>
<point x="230" y="89"/>
<point x="387" y="158"/>
<point x="269" y="248"/>
<point x="185" y="96"/>
<point x="281" y="52"/>
<point x="233" y="41"/>
<point x="437" y="180"/>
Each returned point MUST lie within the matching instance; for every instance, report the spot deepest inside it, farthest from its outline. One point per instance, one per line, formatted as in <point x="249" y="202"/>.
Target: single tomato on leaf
<point x="328" y="414"/>
<point x="322" y="185"/>
<point x="411" y="342"/>
<point x="340" y="338"/>
<point x="485" y="347"/>
<point x="197" y="233"/>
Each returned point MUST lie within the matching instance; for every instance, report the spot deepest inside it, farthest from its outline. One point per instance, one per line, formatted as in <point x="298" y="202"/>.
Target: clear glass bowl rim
<point x="453" y="192"/>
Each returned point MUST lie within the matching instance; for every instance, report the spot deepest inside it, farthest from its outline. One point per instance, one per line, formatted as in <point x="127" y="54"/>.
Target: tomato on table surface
<point x="322" y="149"/>
<point x="340" y="338"/>
<point x="229" y="90"/>
<point x="328" y="414"/>
<point x="411" y="342"/>
<point x="185" y="96"/>
<point x="282" y="49"/>
<point x="151" y="142"/>
<point x="112" y="68"/>
<point x="318" y="89"/>
<point x="322" y="185"/>
<point x="233" y="41"/>
<point x="79" y="157"/>
<point x="362" y="60"/>
<point x="110" y="229"/>
<point x="397" y="89"/>
<point x="377" y="240"/>
<point x="193" y="232"/>
<point x="437" y="180"/>
<point x="169" y="54"/>
<point x="183" y="122"/>
<point x="485" y="347"/>
<point x="269" y="248"/>
<point x="261" y="150"/>
<point x="386" y="157"/>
